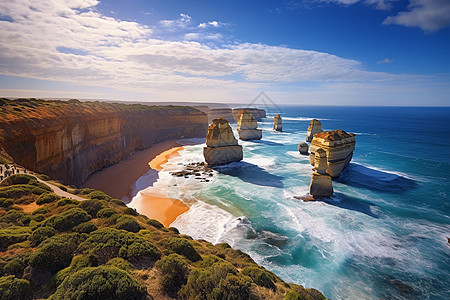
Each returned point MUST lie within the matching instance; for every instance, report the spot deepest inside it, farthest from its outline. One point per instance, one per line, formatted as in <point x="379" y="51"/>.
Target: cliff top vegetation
<point x="60" y="248"/>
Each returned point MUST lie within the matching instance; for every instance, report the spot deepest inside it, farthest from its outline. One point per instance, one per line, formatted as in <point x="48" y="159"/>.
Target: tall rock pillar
<point x="321" y="184"/>
<point x="247" y="126"/>
<point x="314" y="127"/>
<point x="277" y="123"/>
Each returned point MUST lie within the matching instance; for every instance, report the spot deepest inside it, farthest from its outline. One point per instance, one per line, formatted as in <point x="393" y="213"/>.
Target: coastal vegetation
<point x="100" y="249"/>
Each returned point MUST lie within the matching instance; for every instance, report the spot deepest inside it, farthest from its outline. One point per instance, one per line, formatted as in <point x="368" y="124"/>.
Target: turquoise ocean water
<point x="383" y="234"/>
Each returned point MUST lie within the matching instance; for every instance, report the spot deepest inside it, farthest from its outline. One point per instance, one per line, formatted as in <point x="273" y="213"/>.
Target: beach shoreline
<point x="119" y="181"/>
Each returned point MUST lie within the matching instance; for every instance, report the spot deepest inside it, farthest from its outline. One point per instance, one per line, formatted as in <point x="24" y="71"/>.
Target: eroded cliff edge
<point x="69" y="140"/>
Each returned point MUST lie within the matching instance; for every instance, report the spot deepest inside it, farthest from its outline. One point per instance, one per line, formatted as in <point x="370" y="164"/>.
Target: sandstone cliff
<point x="247" y="126"/>
<point x="338" y="145"/>
<point x="69" y="140"/>
<point x="257" y="113"/>
<point x="221" y="145"/>
<point x="225" y="113"/>
<point x="314" y="127"/>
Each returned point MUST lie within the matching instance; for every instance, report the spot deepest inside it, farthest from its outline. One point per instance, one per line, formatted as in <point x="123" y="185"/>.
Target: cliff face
<point x="70" y="141"/>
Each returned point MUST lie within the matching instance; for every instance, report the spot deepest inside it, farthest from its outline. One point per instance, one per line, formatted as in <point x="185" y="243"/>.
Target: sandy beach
<point x="119" y="181"/>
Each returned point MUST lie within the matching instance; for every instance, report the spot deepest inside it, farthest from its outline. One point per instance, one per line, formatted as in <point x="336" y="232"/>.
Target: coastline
<point x="119" y="180"/>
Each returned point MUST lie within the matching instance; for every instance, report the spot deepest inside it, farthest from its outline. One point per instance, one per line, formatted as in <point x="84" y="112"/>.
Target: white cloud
<point x="71" y="42"/>
<point x="182" y="22"/>
<point x="209" y="24"/>
<point x="429" y="15"/>
<point x="385" y="61"/>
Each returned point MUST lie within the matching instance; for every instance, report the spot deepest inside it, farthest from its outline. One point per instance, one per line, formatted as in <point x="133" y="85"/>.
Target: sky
<point x="305" y="52"/>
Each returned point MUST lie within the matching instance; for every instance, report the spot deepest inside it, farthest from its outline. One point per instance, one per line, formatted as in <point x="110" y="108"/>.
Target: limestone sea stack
<point x="221" y="145"/>
<point x="277" y="123"/>
<point x="338" y="145"/>
<point x="321" y="185"/>
<point x="247" y="126"/>
<point x="257" y="113"/>
<point x="314" y="127"/>
<point x="303" y="148"/>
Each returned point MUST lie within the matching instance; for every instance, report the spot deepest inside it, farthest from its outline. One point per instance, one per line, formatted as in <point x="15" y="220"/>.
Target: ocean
<point x="383" y="234"/>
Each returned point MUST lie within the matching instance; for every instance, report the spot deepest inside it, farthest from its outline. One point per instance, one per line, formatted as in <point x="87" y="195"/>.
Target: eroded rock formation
<point x="338" y="145"/>
<point x="314" y="127"/>
<point x="225" y="113"/>
<point x="70" y="140"/>
<point x="221" y="145"/>
<point x="257" y="113"/>
<point x="277" y="123"/>
<point x="303" y="148"/>
<point x="321" y="185"/>
<point x="247" y="126"/>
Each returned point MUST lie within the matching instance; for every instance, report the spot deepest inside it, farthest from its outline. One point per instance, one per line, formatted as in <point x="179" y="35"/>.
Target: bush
<point x="67" y="220"/>
<point x="15" y="217"/>
<point x="86" y="227"/>
<point x="260" y="277"/>
<point x="233" y="287"/>
<point x="104" y="282"/>
<point x="86" y="191"/>
<point x="41" y="234"/>
<point x="12" y="288"/>
<point x="56" y="252"/>
<point x="106" y="212"/>
<point x="46" y="198"/>
<point x="41" y="210"/>
<point x="16" y="191"/>
<point x="128" y="224"/>
<point x="99" y="195"/>
<point x="108" y="243"/>
<point x="183" y="247"/>
<point x="298" y="292"/>
<point x="120" y="263"/>
<point x="16" y="265"/>
<point x="78" y="262"/>
<point x="174" y="269"/>
<point x="44" y="177"/>
<point x="174" y="230"/>
<point x="118" y="202"/>
<point x="62" y="187"/>
<point x="92" y="206"/>
<point x="5" y="202"/>
<point x="155" y="223"/>
<point x="67" y="201"/>
<point x="130" y="211"/>
<point x="18" y="179"/>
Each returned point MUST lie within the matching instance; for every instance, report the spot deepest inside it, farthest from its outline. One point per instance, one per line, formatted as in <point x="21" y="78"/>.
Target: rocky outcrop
<point x="71" y="140"/>
<point x="338" y="145"/>
<point x="321" y="185"/>
<point x="221" y="145"/>
<point x="303" y="148"/>
<point x="257" y="113"/>
<point x="247" y="126"/>
<point x="314" y="127"/>
<point x="277" y="123"/>
<point x="224" y="113"/>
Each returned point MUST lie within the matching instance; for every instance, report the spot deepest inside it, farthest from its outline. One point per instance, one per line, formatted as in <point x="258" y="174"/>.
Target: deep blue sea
<point x="383" y="234"/>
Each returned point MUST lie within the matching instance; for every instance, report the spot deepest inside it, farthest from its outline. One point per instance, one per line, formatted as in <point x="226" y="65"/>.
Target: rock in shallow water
<point x="303" y="148"/>
<point x="277" y="123"/>
<point x="321" y="185"/>
<point x="247" y="126"/>
<point x="314" y="127"/>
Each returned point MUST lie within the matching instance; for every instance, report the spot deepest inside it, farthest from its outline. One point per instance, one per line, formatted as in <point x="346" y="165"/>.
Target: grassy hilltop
<point x="60" y="248"/>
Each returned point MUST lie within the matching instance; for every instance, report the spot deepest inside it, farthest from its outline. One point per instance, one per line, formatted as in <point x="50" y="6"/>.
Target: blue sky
<point x="324" y="52"/>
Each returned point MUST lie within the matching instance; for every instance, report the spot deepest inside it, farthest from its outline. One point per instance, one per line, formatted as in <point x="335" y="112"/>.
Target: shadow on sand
<point x="360" y="176"/>
<point x="251" y="173"/>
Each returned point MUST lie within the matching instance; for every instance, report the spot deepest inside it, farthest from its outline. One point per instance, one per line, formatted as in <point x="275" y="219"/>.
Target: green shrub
<point x="86" y="191"/>
<point x="106" y="212"/>
<point x="120" y="263"/>
<point x="233" y="288"/>
<point x="16" y="265"/>
<point x="155" y="223"/>
<point x="86" y="227"/>
<point x="14" y="216"/>
<point x="78" y="263"/>
<point x="67" y="201"/>
<point x="183" y="247"/>
<point x="46" y="198"/>
<point x="41" y="234"/>
<point x="62" y="187"/>
<point x="260" y="277"/>
<point x="174" y="230"/>
<point x="130" y="211"/>
<point x="18" y="179"/>
<point x="38" y="218"/>
<point x="5" y="202"/>
<point x="104" y="282"/>
<point x="298" y="292"/>
<point x="43" y="177"/>
<point x="16" y="191"/>
<point x="99" y="195"/>
<point x="108" y="243"/>
<point x="41" y="210"/>
<point x="38" y="191"/>
<point x="128" y="223"/>
<point x="118" y="202"/>
<point x="174" y="269"/>
<point x="12" y="288"/>
<point x="56" y="253"/>
<point x="67" y="220"/>
<point x="92" y="206"/>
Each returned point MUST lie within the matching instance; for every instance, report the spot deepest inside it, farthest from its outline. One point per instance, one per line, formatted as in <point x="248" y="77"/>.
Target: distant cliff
<point x="69" y="140"/>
